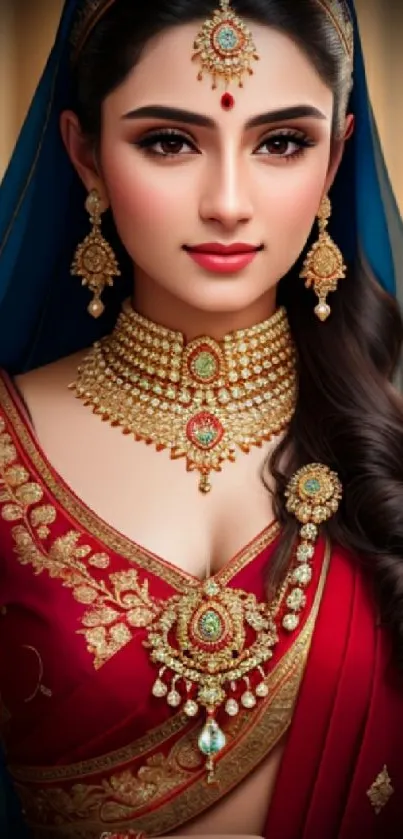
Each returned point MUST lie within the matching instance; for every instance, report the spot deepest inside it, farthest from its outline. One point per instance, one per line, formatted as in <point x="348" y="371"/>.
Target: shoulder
<point x="46" y="387"/>
<point x="50" y="378"/>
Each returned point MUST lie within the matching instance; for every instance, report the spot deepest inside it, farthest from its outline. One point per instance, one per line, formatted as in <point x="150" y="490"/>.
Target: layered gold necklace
<point x="202" y="400"/>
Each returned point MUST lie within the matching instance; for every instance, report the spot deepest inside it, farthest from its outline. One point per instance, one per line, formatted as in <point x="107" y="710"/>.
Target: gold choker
<point x="202" y="400"/>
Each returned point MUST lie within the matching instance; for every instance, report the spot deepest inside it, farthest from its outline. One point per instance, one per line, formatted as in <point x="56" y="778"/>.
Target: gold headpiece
<point x="224" y="47"/>
<point x="92" y="11"/>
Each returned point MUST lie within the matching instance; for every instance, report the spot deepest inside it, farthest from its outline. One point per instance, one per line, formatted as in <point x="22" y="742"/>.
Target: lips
<point x="223" y="250"/>
<point x="223" y="259"/>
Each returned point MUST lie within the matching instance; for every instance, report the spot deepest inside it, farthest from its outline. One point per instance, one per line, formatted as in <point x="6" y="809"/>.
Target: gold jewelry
<point x="323" y="266"/>
<point x="340" y="16"/>
<point x="92" y="11"/>
<point x="201" y="401"/>
<point x="213" y="644"/>
<point x="94" y="259"/>
<point x="224" y="47"/>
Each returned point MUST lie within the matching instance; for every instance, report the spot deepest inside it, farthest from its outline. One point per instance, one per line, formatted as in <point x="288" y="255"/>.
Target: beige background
<point x="27" y="28"/>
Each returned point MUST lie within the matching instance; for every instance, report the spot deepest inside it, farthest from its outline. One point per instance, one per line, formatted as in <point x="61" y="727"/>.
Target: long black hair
<point x="348" y="415"/>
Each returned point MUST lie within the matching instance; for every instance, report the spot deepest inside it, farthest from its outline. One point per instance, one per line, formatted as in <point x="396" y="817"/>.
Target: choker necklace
<point x="201" y="400"/>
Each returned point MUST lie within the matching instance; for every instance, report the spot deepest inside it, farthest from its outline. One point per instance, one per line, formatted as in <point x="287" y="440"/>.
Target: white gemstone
<point x="309" y="531"/>
<point x="96" y="308"/>
<point x="232" y="707"/>
<point x="290" y="622"/>
<point x="322" y="310"/>
<point x="302" y="575"/>
<point x="305" y="552"/>
<point x="191" y="708"/>
<point x="174" y="698"/>
<point x="296" y="600"/>
<point x="159" y="688"/>
<point x="211" y="588"/>
<point x="262" y="689"/>
<point x="223" y="396"/>
<point x="248" y="699"/>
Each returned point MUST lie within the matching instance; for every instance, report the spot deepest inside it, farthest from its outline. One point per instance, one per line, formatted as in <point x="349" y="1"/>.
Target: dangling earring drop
<point x="323" y="266"/>
<point x="94" y="259"/>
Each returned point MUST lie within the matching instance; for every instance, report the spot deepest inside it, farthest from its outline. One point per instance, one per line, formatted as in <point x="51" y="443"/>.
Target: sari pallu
<point x="90" y="749"/>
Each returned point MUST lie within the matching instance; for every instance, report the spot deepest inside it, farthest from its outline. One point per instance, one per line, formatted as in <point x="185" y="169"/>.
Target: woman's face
<point x="249" y="175"/>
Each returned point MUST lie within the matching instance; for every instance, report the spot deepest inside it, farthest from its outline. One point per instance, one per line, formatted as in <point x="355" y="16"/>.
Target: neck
<point x="157" y="304"/>
<point x="201" y="399"/>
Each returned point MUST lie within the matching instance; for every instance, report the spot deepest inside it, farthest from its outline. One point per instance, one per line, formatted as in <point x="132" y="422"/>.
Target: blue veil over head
<point x="43" y="312"/>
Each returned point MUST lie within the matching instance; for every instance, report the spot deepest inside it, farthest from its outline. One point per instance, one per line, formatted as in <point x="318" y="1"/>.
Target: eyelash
<point x="146" y="143"/>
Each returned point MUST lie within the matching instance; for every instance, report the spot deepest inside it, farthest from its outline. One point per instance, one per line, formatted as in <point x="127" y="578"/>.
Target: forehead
<point x="167" y="75"/>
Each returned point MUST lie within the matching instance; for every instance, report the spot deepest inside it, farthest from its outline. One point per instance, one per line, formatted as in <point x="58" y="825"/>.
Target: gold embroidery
<point x="117" y="542"/>
<point x="105" y="632"/>
<point x="380" y="791"/>
<point x="126" y="598"/>
<point x="123" y="793"/>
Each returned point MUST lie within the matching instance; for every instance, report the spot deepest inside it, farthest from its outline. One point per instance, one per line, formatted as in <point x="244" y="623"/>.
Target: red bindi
<point x="227" y="101"/>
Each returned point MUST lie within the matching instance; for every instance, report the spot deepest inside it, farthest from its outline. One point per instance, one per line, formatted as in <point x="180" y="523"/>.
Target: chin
<point x="231" y="298"/>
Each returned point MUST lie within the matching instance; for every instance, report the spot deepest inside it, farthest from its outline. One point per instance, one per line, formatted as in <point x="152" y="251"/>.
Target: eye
<point x="287" y="145"/>
<point x="167" y="143"/>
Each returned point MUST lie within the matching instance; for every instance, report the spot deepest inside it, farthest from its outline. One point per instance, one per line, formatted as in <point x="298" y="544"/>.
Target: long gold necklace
<point x="202" y="400"/>
<point x="213" y="644"/>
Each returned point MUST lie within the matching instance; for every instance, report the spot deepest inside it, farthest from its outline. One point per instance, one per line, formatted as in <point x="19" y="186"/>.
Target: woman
<point x="165" y="670"/>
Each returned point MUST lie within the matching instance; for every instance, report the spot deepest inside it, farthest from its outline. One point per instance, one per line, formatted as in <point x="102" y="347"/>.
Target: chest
<point x="152" y="499"/>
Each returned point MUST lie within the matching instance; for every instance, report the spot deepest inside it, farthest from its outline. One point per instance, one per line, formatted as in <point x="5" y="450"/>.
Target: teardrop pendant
<point x="211" y="741"/>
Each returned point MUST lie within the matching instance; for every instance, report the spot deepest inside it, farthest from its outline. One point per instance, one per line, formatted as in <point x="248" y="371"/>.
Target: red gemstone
<point x="227" y="101"/>
<point x="204" y="430"/>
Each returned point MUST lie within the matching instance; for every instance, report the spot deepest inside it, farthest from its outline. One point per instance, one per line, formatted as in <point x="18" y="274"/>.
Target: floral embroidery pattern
<point x="115" y="605"/>
<point x="118" y="797"/>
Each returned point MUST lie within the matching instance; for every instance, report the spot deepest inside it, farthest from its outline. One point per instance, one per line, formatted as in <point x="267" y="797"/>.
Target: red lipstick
<point x="223" y="259"/>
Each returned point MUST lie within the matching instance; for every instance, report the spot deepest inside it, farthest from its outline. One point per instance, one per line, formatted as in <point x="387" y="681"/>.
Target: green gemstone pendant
<point x="312" y="486"/>
<point x="211" y="741"/>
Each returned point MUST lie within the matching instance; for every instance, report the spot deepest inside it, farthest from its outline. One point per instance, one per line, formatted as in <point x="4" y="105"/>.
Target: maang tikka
<point x="94" y="259"/>
<point x="225" y="49"/>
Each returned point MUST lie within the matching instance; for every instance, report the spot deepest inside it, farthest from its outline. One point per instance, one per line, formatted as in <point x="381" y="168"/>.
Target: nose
<point x="225" y="197"/>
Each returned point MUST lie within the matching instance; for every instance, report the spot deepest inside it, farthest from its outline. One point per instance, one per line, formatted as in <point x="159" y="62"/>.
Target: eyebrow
<point x="192" y="118"/>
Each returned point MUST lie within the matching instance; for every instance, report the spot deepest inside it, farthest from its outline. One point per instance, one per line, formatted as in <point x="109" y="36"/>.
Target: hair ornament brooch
<point x="225" y="50"/>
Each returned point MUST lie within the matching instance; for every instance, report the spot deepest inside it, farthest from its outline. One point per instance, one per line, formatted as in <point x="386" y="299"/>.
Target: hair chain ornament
<point x="213" y="644"/>
<point x="201" y="401"/>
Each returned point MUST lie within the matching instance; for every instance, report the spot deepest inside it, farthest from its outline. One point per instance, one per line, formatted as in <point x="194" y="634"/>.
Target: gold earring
<point x="94" y="259"/>
<point x="323" y="266"/>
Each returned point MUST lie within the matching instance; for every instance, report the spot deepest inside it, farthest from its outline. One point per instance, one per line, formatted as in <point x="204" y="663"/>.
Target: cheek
<point x="290" y="203"/>
<point x="143" y="198"/>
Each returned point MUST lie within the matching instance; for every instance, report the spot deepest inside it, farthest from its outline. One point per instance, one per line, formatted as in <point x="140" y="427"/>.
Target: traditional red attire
<point x="91" y="749"/>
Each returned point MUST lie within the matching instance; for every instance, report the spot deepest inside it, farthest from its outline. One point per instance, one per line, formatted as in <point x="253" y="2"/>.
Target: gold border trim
<point x="82" y="29"/>
<point x="104" y="532"/>
<point x="261" y="732"/>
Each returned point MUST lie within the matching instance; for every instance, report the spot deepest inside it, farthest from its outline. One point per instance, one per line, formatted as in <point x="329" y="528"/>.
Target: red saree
<point x="88" y="746"/>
